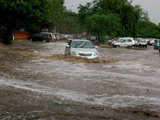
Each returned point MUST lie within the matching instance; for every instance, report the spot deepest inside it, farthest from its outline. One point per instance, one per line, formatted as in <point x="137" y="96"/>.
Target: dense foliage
<point x="100" y="18"/>
<point x="148" y="29"/>
<point x="99" y="25"/>
<point x="116" y="18"/>
<point x="30" y="14"/>
<point x="69" y="23"/>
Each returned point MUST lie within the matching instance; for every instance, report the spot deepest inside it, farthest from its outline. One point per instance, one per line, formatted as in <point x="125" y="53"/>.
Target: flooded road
<point x="35" y="85"/>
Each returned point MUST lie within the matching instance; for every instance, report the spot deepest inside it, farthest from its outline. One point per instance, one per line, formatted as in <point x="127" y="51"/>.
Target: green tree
<point x="30" y="14"/>
<point x="71" y="23"/>
<point x="128" y="15"/>
<point x="147" y="29"/>
<point x="84" y="11"/>
<point x="57" y="14"/>
<point x="101" y="25"/>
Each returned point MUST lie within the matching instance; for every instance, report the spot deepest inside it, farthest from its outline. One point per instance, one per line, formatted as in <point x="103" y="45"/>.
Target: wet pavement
<point x="35" y="85"/>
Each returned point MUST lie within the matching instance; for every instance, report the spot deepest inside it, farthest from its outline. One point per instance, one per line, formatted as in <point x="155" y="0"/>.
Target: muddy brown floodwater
<point x="37" y="82"/>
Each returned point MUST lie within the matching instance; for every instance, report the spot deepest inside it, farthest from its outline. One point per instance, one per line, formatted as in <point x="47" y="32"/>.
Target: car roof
<point x="126" y="38"/>
<point x="79" y="40"/>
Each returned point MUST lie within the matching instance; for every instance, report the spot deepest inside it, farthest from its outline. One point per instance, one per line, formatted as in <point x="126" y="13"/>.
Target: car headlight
<point x="95" y="54"/>
<point x="74" y="53"/>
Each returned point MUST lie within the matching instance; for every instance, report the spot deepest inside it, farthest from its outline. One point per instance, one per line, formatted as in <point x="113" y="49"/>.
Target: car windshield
<point x="129" y="40"/>
<point x="143" y="41"/>
<point x="36" y="35"/>
<point x="121" y="40"/>
<point x="82" y="44"/>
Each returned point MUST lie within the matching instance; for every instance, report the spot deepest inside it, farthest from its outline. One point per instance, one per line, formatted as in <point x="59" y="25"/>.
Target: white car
<point x="81" y="48"/>
<point x="152" y="41"/>
<point x="141" y="42"/>
<point x="124" y="42"/>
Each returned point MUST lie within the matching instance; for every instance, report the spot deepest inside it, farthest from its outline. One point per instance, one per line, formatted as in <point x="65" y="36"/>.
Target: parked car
<point x="111" y="41"/>
<point x="124" y="42"/>
<point x="140" y="42"/>
<point x="152" y="41"/>
<point x="81" y="48"/>
<point x="47" y="37"/>
<point x="157" y="44"/>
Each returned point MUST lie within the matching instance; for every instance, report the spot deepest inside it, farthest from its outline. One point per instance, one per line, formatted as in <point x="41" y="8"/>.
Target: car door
<point x="121" y="42"/>
<point x="36" y="37"/>
<point x="124" y="43"/>
<point x="128" y="42"/>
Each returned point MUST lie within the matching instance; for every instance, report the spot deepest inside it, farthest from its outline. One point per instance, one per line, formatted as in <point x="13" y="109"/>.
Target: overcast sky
<point x="151" y="6"/>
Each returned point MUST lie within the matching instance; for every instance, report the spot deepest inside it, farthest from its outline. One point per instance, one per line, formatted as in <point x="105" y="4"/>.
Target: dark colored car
<point x="157" y="44"/>
<point x="41" y="37"/>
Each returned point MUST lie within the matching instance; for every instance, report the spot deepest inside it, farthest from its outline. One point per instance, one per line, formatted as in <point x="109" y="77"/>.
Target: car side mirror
<point x="67" y="46"/>
<point x="96" y="47"/>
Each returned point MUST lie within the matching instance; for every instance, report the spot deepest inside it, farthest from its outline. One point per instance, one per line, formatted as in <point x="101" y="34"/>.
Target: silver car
<point x="81" y="48"/>
<point x="124" y="42"/>
<point x="140" y="42"/>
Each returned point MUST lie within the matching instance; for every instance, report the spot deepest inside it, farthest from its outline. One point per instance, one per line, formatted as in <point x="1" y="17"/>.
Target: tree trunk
<point x="8" y="37"/>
